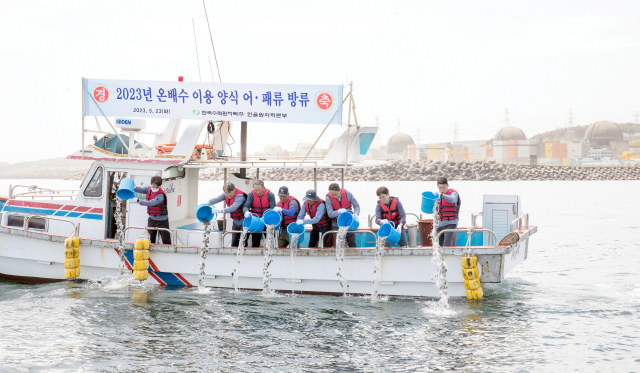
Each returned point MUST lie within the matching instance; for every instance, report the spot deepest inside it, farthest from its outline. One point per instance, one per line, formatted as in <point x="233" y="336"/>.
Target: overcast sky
<point x="426" y="64"/>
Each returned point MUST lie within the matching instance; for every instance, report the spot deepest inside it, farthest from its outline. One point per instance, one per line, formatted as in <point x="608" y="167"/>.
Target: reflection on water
<point x="572" y="306"/>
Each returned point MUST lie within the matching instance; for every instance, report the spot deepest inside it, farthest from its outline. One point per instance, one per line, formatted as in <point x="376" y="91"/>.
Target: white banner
<point x="278" y="103"/>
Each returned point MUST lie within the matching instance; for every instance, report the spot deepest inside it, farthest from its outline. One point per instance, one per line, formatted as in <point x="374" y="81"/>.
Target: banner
<point x="277" y="103"/>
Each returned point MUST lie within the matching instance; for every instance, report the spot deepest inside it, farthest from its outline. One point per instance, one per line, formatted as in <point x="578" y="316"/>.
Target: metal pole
<point x="257" y="173"/>
<point x="243" y="147"/>
<point x="346" y="156"/>
<point x="343" y="178"/>
<point x="83" y="118"/>
<point x="224" y="216"/>
<point x="315" y="179"/>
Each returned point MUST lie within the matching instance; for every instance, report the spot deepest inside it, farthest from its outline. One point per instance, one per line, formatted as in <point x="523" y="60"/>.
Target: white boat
<point x="35" y="223"/>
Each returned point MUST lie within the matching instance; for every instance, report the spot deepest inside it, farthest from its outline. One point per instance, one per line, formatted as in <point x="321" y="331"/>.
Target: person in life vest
<point x="156" y="208"/>
<point x="234" y="199"/>
<point x="390" y="209"/>
<point x="258" y="201"/>
<point x="338" y="201"/>
<point x="289" y="207"/>
<point x="315" y="208"/>
<point x="448" y="211"/>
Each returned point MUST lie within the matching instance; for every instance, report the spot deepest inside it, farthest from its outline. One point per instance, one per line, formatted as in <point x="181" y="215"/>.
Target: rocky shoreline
<point x="406" y="170"/>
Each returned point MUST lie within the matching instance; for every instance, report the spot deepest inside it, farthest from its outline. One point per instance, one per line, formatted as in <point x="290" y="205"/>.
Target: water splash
<point x="440" y="275"/>
<point x="268" y="252"/>
<point x="119" y="230"/>
<point x="377" y="266"/>
<point x="236" y="268"/>
<point x="340" y="241"/>
<point x="293" y="247"/>
<point x="204" y="250"/>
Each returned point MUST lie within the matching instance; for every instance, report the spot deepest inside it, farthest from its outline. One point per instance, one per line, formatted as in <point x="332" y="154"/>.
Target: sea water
<point x="573" y="305"/>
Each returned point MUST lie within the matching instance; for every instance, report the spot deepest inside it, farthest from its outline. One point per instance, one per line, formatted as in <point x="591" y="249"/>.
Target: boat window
<point x="15" y="221"/>
<point x="94" y="188"/>
<point x="37" y="224"/>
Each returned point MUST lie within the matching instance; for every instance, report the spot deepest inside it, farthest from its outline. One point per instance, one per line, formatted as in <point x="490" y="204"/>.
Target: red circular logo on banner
<point x="101" y="94"/>
<point x="324" y="100"/>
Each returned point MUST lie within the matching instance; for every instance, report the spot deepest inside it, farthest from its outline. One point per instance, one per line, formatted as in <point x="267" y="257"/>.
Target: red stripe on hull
<point x="157" y="279"/>
<point x="183" y="279"/>
<point x="153" y="266"/>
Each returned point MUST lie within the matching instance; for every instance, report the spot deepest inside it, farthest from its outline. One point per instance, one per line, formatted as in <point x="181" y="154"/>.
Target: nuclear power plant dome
<point x="509" y="133"/>
<point x="398" y="143"/>
<point x="272" y="149"/>
<point x="603" y="132"/>
<point x="303" y="147"/>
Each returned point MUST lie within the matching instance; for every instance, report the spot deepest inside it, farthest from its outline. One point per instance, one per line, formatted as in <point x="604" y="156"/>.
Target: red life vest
<point x="447" y="210"/>
<point x="312" y="210"/>
<point x="237" y="213"/>
<point x="337" y="205"/>
<point x="391" y="213"/>
<point x="286" y="220"/>
<point x="260" y="204"/>
<point x="159" y="209"/>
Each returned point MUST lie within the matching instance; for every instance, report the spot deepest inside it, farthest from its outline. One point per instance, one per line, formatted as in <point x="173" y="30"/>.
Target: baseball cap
<point x="284" y="191"/>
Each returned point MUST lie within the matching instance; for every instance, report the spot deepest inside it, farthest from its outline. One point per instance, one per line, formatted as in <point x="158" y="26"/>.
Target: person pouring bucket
<point x="258" y="201"/>
<point x="315" y="208"/>
<point x="389" y="209"/>
<point x="448" y="211"/>
<point x="289" y="207"/>
<point x="156" y="209"/>
<point x="234" y="199"/>
<point x="338" y="201"/>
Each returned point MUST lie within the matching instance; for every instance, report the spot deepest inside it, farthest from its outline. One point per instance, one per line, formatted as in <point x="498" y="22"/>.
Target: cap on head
<point x="283" y="192"/>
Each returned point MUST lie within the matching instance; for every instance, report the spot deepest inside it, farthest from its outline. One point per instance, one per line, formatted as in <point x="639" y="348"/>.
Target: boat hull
<point x="37" y="257"/>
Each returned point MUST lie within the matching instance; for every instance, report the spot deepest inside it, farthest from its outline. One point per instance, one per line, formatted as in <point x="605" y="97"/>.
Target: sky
<point x="418" y="67"/>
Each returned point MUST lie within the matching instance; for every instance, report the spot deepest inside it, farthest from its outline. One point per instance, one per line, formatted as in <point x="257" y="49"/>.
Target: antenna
<point x="210" y="69"/>
<point x="196" y="41"/>
<point x="211" y="37"/>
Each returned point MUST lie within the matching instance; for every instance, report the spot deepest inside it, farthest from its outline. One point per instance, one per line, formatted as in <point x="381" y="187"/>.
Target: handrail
<point x="174" y="240"/>
<point x="519" y="220"/>
<point x="474" y="217"/>
<point x="466" y="230"/>
<point x="34" y="190"/>
<point x="372" y="218"/>
<point x="75" y="232"/>
<point x="356" y="231"/>
<point x="227" y="232"/>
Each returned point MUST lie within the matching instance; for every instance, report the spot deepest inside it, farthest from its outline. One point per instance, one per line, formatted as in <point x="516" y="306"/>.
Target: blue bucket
<point x="253" y="224"/>
<point x="346" y="219"/>
<point x="428" y="201"/>
<point x="299" y="229"/>
<point x="271" y="217"/>
<point x="125" y="191"/>
<point x="204" y="212"/>
<point x="389" y="231"/>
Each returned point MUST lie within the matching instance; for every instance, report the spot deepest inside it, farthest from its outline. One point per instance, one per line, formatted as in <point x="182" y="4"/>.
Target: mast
<point x="243" y="147"/>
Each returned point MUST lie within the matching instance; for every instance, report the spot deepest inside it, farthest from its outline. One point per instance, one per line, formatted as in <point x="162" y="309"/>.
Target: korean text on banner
<point x="279" y="103"/>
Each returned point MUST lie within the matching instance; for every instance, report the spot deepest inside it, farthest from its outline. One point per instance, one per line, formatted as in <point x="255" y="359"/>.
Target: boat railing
<point x="518" y="222"/>
<point x="171" y="232"/>
<point x="34" y="191"/>
<point x="225" y="233"/>
<point x="356" y="231"/>
<point x="467" y="230"/>
<point x="373" y="217"/>
<point x="74" y="233"/>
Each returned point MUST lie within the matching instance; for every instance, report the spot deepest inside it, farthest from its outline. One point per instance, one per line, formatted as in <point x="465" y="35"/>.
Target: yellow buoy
<point x="70" y="263"/>
<point x="139" y="245"/>
<point x="140" y="254"/>
<point x="70" y="273"/>
<point x="77" y="272"/>
<point x="76" y="252"/>
<point x="68" y="243"/>
<point x="469" y="261"/>
<point x="68" y="253"/>
<point x="140" y="265"/>
<point x="472" y="284"/>
<point x="141" y="275"/>
<point x="469" y="273"/>
<point x="145" y="244"/>
<point x="76" y="242"/>
<point x="77" y="264"/>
